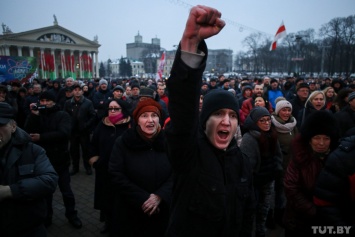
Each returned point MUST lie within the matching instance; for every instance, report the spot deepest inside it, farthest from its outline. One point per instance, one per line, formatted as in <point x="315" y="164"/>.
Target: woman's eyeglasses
<point x="114" y="109"/>
<point x="265" y="121"/>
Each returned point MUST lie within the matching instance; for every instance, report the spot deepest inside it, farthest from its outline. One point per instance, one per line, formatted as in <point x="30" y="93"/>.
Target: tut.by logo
<point x="333" y="230"/>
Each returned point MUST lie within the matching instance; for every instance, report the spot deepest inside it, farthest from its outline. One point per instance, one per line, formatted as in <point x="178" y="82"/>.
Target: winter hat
<point x="7" y="113"/>
<point x="135" y="85"/>
<point x="47" y="96"/>
<point x="118" y="87"/>
<point x="147" y="105"/>
<point x="320" y="122"/>
<point x="351" y="96"/>
<point x="257" y="113"/>
<point x="102" y="81"/>
<point x="282" y="104"/>
<point x="146" y="92"/>
<point x="215" y="100"/>
<point x="302" y="85"/>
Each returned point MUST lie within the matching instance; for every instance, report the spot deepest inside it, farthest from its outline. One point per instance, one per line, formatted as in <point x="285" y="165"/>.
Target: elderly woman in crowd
<point x="116" y="121"/>
<point x="315" y="101"/>
<point x="141" y="174"/>
<point x="261" y="146"/>
<point x="318" y="137"/>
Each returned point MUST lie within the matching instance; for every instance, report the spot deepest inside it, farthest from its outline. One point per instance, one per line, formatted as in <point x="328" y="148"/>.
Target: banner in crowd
<point x="161" y="67"/>
<point x="18" y="68"/>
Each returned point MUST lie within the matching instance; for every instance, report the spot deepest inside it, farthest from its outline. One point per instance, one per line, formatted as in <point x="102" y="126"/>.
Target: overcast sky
<point x="116" y="22"/>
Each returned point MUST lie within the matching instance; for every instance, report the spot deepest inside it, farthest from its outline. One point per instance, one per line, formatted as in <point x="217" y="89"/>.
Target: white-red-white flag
<point x="281" y="32"/>
<point x="161" y="67"/>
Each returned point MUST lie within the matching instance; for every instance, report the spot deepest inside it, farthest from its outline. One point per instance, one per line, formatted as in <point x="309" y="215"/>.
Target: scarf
<point x="114" y="118"/>
<point x="283" y="127"/>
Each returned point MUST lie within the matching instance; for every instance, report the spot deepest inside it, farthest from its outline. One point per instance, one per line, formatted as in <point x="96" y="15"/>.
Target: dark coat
<point x="31" y="178"/>
<point x="346" y="119"/>
<point x="300" y="179"/>
<point x="297" y="106"/>
<point x="140" y="168"/>
<point x="334" y="192"/>
<point x="213" y="193"/>
<point x="54" y="127"/>
<point x="82" y="113"/>
<point x="103" y="139"/>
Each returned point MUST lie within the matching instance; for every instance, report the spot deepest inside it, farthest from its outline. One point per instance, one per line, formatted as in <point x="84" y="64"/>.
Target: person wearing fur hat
<point x="213" y="193"/>
<point x="261" y="146"/>
<point x="318" y="137"/>
<point x="333" y="195"/>
<point x="141" y="174"/>
<point x="50" y="127"/>
<point x="117" y="120"/>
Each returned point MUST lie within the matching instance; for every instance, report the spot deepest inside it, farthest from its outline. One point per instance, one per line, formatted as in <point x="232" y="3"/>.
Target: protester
<point x="50" y="128"/>
<point x="83" y="115"/>
<point x="116" y="121"/>
<point x="315" y="102"/>
<point x="261" y="147"/>
<point x="334" y="196"/>
<point x="26" y="178"/>
<point x="318" y="137"/>
<point x="141" y="174"/>
<point x="346" y="117"/>
<point x="213" y="193"/>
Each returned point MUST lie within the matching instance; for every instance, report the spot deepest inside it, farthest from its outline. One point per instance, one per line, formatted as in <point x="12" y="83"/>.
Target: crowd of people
<point x="189" y="156"/>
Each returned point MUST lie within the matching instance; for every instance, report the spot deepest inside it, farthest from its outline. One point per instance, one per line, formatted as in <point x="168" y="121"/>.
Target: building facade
<point x="59" y="52"/>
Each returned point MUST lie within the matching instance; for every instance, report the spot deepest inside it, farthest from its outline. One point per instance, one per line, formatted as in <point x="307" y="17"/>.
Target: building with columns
<point x="59" y="52"/>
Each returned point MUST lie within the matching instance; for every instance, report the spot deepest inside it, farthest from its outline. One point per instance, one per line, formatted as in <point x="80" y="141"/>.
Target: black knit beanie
<point x="47" y="95"/>
<point x="215" y="100"/>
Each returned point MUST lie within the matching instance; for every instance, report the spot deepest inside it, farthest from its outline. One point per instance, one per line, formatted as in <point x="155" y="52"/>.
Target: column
<point x="62" y="62"/>
<point x="54" y="65"/>
<point x="31" y="51"/>
<point x="81" y="63"/>
<point x="7" y="50"/>
<point x="19" y="51"/>
<point x="43" y="64"/>
<point x="97" y="64"/>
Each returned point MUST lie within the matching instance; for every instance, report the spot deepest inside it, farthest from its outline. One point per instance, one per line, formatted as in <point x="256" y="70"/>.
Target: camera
<point x="38" y="107"/>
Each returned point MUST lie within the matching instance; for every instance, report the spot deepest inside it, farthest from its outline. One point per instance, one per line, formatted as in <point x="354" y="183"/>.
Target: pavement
<point x="83" y="188"/>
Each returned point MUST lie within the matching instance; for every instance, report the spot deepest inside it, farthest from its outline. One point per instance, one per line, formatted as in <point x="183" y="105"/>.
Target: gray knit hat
<point x="258" y="112"/>
<point x="282" y="104"/>
<point x="102" y="81"/>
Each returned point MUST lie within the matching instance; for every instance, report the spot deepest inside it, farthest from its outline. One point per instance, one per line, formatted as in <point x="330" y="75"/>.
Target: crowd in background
<point x="288" y="129"/>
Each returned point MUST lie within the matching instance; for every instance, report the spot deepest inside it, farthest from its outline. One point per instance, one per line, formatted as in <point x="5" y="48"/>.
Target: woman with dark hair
<point x="341" y="100"/>
<point x="310" y="148"/>
<point x="141" y="175"/>
<point x="116" y="121"/>
<point x="261" y="146"/>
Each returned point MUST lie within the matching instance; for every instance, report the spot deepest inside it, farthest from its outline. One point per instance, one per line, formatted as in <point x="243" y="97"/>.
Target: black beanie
<point x="320" y="122"/>
<point x="47" y="95"/>
<point x="215" y="100"/>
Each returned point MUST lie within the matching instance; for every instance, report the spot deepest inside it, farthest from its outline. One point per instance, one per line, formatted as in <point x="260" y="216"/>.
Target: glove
<point x="5" y="192"/>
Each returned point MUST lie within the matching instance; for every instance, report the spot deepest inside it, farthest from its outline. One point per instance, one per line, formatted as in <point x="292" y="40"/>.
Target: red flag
<point x="281" y="32"/>
<point x="161" y="67"/>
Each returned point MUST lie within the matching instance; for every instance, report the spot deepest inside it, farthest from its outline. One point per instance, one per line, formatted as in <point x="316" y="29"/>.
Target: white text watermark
<point x="335" y="230"/>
